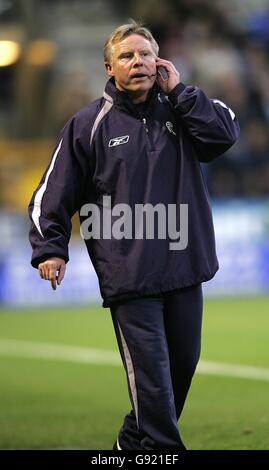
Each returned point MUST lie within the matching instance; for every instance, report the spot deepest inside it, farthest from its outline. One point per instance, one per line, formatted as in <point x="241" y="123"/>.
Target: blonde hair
<point x="123" y="32"/>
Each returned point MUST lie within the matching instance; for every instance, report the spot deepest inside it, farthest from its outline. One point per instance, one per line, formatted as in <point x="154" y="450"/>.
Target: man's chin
<point x="136" y="88"/>
<point x="143" y="87"/>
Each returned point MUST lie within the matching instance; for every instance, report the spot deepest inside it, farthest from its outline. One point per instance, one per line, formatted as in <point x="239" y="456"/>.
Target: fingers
<point x="52" y="278"/>
<point x="48" y="271"/>
<point x="61" y="274"/>
<point x="173" y="75"/>
<point x="169" y="67"/>
<point x="43" y="269"/>
<point x="40" y="272"/>
<point x="166" y="64"/>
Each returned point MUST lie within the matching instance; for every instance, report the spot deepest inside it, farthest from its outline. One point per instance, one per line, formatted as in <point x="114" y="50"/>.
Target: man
<point x="140" y="144"/>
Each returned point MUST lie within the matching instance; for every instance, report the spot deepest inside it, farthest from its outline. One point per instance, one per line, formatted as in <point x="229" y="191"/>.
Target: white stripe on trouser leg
<point x="118" y="445"/>
<point x="130" y="372"/>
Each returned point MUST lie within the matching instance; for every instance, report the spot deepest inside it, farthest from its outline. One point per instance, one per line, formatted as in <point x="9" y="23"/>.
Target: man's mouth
<point x="139" y="75"/>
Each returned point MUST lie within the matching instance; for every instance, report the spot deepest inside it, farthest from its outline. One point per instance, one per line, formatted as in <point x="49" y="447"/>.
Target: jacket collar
<point x="122" y="100"/>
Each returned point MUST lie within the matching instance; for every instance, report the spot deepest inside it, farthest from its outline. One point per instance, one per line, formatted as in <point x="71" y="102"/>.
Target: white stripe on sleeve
<point x="105" y="109"/>
<point x="40" y="193"/>
<point x="226" y="107"/>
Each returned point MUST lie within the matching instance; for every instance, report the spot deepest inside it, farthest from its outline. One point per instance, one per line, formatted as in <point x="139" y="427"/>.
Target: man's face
<point x="133" y="62"/>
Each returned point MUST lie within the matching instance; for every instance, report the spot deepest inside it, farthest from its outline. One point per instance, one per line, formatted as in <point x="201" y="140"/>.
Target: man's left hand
<point x="173" y="75"/>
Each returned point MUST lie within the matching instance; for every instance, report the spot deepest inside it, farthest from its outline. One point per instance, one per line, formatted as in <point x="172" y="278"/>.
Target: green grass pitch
<point x="53" y="404"/>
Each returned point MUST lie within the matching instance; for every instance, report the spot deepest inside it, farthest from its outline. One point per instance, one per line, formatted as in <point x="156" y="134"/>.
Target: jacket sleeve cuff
<point x="40" y="259"/>
<point x="173" y="95"/>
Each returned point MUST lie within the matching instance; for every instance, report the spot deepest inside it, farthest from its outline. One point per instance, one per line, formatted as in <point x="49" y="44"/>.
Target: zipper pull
<point x="145" y="124"/>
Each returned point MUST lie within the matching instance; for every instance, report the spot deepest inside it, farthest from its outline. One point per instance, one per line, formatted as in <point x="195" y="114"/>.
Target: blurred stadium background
<point x="61" y="384"/>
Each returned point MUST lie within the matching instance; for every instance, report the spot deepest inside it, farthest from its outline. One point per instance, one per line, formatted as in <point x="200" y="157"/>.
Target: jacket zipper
<point x="147" y="132"/>
<point x="145" y="124"/>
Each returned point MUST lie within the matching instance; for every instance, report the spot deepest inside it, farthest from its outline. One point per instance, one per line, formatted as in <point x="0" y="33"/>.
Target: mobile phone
<point x="162" y="72"/>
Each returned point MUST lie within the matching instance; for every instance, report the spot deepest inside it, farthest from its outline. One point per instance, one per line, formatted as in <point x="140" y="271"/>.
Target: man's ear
<point x="109" y="69"/>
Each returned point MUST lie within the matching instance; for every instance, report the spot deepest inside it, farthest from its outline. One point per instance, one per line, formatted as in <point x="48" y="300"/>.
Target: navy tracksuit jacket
<point x="111" y="147"/>
<point x="140" y="154"/>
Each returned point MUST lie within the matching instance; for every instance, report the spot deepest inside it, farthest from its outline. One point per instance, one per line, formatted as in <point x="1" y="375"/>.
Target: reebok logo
<point x="118" y="141"/>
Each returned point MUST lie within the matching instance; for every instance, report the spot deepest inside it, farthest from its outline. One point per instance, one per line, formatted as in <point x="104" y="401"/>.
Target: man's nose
<point x="138" y="59"/>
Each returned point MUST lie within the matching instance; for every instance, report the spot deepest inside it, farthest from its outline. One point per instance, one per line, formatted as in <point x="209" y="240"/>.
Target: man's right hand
<point x="49" y="268"/>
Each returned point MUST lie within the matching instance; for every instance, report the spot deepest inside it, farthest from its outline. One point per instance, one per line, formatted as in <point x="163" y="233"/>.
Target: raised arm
<point x="211" y="124"/>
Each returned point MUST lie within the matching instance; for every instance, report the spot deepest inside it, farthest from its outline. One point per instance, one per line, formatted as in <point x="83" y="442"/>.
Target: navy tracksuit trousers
<point x="159" y="339"/>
